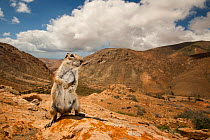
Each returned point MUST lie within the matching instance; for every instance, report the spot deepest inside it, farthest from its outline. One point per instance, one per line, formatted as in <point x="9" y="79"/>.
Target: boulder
<point x="31" y="97"/>
<point x="195" y="134"/>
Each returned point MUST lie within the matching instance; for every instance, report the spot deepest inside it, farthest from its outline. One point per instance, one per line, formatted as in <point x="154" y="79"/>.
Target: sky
<point x="50" y="28"/>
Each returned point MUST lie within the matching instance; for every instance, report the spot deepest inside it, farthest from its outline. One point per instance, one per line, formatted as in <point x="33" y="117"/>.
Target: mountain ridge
<point x="152" y="71"/>
<point x="22" y="70"/>
<point x="179" y="69"/>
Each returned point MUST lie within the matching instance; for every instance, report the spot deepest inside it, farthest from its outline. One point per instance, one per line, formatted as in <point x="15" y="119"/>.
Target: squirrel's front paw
<point x="66" y="85"/>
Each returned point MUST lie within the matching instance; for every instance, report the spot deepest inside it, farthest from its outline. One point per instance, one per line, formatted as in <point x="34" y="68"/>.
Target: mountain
<point x="180" y="69"/>
<point x="52" y="64"/>
<point x="21" y="70"/>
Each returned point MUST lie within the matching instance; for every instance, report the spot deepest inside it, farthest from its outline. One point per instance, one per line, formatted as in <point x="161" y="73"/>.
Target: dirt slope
<point x="21" y="70"/>
<point x="52" y="64"/>
<point x="181" y="69"/>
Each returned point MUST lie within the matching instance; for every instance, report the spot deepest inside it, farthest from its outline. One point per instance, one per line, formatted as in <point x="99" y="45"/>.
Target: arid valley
<point x="157" y="94"/>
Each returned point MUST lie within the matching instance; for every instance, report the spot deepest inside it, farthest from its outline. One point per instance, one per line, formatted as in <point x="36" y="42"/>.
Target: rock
<point x="1" y="86"/>
<point x="76" y="128"/>
<point x="126" y="107"/>
<point x="8" y="89"/>
<point x="36" y="102"/>
<point x="31" y="97"/>
<point x="21" y="120"/>
<point x="195" y="134"/>
<point x="19" y="130"/>
<point x="33" y="108"/>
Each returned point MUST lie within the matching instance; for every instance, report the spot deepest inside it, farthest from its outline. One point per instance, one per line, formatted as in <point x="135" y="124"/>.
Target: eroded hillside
<point x="21" y="70"/>
<point x="181" y="69"/>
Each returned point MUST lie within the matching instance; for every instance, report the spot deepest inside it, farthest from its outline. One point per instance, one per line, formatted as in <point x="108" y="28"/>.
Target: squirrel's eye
<point x="71" y="55"/>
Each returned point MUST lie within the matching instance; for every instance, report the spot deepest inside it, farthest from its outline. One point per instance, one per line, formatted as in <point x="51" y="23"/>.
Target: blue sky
<point x="42" y="11"/>
<point x="198" y="13"/>
<point x="48" y="28"/>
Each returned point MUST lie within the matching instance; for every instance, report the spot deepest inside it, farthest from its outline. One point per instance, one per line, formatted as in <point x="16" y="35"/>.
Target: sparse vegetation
<point x="137" y="106"/>
<point x="133" y="98"/>
<point x="85" y="91"/>
<point x="121" y="93"/>
<point x="129" y="114"/>
<point x="140" y="111"/>
<point x="206" y="111"/>
<point x="116" y="97"/>
<point x="157" y="115"/>
<point x="207" y="106"/>
<point x="164" y="127"/>
<point x="159" y="96"/>
<point x="200" y="120"/>
<point x="39" y="90"/>
<point x="131" y="90"/>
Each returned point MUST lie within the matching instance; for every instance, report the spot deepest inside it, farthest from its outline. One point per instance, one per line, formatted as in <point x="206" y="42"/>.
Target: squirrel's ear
<point x="66" y="55"/>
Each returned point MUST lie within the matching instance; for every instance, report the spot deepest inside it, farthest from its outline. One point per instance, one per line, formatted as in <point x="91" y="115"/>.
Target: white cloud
<point x="28" y="1"/>
<point x="115" y="22"/>
<point x="1" y="13"/>
<point x="15" y="20"/>
<point x="24" y="46"/>
<point x="13" y="3"/>
<point x="23" y="8"/>
<point x="6" y="34"/>
<point x="200" y="24"/>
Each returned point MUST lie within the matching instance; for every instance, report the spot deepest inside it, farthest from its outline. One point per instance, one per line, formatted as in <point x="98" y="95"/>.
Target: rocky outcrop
<point x="31" y="97"/>
<point x="92" y="128"/>
<point x="19" y="121"/>
<point x="195" y="134"/>
<point x="108" y="116"/>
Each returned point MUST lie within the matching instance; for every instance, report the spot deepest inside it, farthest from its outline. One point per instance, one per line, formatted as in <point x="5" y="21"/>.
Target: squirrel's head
<point x="73" y="59"/>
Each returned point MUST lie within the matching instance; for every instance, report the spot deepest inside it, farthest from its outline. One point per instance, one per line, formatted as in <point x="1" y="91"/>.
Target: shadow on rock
<point x="78" y="117"/>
